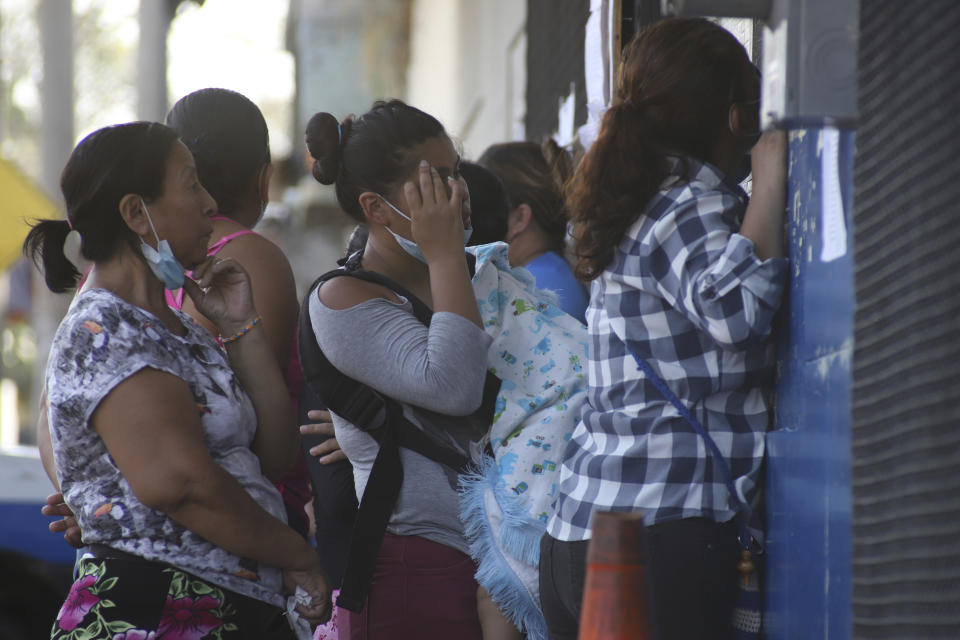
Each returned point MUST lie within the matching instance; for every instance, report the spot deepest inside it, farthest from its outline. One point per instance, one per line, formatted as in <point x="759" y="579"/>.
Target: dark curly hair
<point x="675" y="85"/>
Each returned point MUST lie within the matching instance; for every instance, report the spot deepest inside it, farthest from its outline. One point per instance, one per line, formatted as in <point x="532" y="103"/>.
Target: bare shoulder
<point x="345" y="292"/>
<point x="257" y="255"/>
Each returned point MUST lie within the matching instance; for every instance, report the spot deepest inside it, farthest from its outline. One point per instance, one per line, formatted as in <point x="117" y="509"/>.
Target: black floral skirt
<point x="130" y="598"/>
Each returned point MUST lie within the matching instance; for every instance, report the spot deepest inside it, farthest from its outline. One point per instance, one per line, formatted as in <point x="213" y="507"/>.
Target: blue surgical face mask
<point x="409" y="245"/>
<point x="161" y="260"/>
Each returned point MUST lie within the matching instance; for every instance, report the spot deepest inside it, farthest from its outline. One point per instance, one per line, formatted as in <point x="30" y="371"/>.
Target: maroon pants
<point x="420" y="589"/>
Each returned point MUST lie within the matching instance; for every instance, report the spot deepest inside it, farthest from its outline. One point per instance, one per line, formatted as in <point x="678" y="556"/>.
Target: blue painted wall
<point x="808" y="469"/>
<point x="24" y="529"/>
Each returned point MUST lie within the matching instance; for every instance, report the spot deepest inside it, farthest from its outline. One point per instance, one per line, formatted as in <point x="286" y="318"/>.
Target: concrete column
<point x="55" y="18"/>
<point x="155" y="16"/>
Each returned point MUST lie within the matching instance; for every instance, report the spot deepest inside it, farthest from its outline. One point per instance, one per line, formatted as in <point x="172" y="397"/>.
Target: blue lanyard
<point x="743" y="509"/>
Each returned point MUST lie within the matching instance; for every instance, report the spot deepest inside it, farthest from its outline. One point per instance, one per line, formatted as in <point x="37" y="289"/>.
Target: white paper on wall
<point x="833" y="224"/>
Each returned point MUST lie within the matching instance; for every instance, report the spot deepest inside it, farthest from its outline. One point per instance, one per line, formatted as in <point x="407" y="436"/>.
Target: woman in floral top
<point x="154" y="427"/>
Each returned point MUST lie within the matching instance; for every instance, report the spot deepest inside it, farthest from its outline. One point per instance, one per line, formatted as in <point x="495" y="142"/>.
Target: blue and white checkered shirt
<point x="688" y="293"/>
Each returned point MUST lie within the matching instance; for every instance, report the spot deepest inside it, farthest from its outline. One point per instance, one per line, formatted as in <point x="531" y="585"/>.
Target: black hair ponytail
<point x="104" y="167"/>
<point x="44" y="245"/>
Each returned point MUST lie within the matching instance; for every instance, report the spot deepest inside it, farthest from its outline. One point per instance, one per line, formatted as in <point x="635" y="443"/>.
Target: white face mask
<point x="161" y="260"/>
<point x="409" y="245"/>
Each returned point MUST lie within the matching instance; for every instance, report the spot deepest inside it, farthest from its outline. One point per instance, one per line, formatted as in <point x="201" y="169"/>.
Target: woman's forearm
<point x="277" y="441"/>
<point x="451" y="288"/>
<point x="763" y="220"/>
<point x="152" y="430"/>
<point x="215" y="506"/>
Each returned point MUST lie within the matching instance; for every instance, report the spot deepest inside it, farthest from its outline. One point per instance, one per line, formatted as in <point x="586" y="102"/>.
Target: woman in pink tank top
<point x="228" y="137"/>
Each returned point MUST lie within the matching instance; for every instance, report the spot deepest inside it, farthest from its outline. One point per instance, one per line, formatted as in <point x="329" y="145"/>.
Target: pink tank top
<point x="175" y="298"/>
<point x="295" y="486"/>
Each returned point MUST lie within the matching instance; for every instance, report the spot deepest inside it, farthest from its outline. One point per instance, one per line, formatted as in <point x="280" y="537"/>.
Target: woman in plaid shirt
<point x="688" y="274"/>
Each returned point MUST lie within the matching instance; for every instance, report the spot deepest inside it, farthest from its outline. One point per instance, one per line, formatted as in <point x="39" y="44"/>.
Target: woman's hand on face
<point x="56" y="507"/>
<point x="220" y="289"/>
<point x="329" y="450"/>
<point x="437" y="221"/>
<point x="315" y="583"/>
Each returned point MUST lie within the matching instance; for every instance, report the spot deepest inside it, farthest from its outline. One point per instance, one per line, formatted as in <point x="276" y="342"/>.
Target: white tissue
<point x="300" y="626"/>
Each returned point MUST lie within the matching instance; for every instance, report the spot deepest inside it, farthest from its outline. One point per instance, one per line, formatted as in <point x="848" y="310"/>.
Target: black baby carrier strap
<point x="383" y="418"/>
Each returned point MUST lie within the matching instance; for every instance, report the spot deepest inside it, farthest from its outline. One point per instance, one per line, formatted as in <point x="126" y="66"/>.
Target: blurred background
<point x="490" y="71"/>
<point x="863" y="507"/>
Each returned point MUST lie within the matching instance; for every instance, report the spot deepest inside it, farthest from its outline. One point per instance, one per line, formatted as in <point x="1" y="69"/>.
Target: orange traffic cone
<point x="615" y="590"/>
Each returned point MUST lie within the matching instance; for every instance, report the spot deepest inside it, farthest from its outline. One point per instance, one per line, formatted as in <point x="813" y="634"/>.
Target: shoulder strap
<point x="380" y="416"/>
<point x="743" y="509"/>
<point x="214" y="249"/>
<point x="373" y="514"/>
<point x="174" y="298"/>
<point x="361" y="405"/>
<point x="420" y="308"/>
<point x="346" y="397"/>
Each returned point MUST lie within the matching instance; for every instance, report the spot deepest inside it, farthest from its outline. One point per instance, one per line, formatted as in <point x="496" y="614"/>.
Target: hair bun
<point x="323" y="142"/>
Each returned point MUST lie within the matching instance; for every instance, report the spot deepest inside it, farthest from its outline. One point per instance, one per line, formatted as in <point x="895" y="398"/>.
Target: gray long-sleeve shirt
<point x="440" y="368"/>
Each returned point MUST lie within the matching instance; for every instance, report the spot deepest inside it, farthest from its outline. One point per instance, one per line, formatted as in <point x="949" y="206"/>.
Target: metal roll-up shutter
<point x="906" y="390"/>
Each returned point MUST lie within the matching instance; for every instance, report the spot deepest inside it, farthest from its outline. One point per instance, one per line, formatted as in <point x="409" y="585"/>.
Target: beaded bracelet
<point x="240" y="332"/>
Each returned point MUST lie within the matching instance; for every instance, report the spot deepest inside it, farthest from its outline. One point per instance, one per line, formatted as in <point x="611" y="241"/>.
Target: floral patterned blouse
<point x="102" y="341"/>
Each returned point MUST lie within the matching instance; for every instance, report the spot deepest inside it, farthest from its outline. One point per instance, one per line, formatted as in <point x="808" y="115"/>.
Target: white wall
<point x="468" y="68"/>
<point x="742" y="28"/>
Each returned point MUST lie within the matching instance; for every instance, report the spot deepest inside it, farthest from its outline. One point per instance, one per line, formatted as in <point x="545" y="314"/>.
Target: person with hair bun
<point x="158" y="433"/>
<point x="396" y="170"/>
<point x="687" y="274"/>
<point x="534" y="176"/>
